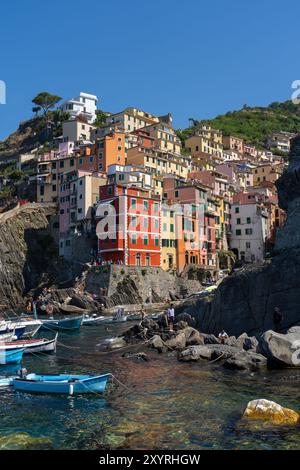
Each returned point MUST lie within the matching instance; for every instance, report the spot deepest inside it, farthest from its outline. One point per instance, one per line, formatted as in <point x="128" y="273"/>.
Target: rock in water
<point x="116" y="343"/>
<point x="179" y="342"/>
<point x="157" y="343"/>
<point x="194" y="353"/>
<point x="192" y="336"/>
<point x="281" y="349"/>
<point x="244" y="360"/>
<point x="270" y="411"/>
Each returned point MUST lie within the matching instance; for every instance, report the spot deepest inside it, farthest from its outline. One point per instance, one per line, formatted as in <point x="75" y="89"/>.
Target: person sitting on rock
<point x="223" y="336"/>
<point x="277" y="319"/>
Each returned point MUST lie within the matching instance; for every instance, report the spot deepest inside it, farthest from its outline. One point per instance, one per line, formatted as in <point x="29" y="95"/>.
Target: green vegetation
<point x="252" y="124"/>
<point x="100" y="118"/>
<point x="45" y="101"/>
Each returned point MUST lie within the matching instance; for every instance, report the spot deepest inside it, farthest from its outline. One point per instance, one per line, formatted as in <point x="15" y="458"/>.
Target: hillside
<point x="32" y="134"/>
<point x="253" y="124"/>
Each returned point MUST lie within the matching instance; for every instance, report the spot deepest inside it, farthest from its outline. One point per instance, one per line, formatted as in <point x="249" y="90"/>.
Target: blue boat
<point x="11" y="356"/>
<point x="18" y="330"/>
<point x="64" y="324"/>
<point x="63" y="383"/>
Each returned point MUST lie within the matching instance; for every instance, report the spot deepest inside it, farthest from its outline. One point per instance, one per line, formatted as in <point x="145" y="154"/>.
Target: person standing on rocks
<point x="277" y="320"/>
<point x="171" y="316"/>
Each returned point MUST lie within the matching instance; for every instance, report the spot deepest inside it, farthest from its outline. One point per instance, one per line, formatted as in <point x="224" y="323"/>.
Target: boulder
<point x="71" y="309"/>
<point x="281" y="349"/>
<point x="192" y="336"/>
<point x="270" y="411"/>
<point x="186" y="317"/>
<point x="84" y="302"/>
<point x="162" y="321"/>
<point x="178" y="342"/>
<point x="180" y="325"/>
<point x="247" y="342"/>
<point x="116" y="343"/>
<point x="157" y="343"/>
<point x="223" y="351"/>
<point x="194" y="353"/>
<point x="210" y="339"/>
<point x="244" y="360"/>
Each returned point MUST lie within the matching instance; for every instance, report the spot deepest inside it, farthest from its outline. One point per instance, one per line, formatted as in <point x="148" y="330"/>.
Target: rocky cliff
<point x="244" y="302"/>
<point x="27" y="253"/>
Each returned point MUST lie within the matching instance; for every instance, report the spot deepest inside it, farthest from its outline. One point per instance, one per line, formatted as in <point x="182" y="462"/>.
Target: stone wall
<point x="132" y="285"/>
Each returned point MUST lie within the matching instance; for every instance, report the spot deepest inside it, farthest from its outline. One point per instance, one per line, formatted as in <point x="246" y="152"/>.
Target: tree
<point x="36" y="110"/>
<point x="46" y="101"/>
<point x="100" y="118"/>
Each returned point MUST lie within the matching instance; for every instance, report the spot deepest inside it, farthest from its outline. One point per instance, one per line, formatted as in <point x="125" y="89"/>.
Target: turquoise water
<point x="169" y="404"/>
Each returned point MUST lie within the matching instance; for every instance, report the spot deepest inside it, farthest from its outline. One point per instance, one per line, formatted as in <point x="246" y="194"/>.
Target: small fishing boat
<point x="32" y="326"/>
<point x="134" y="317"/>
<point x="7" y="337"/>
<point x="121" y="319"/>
<point x="93" y="320"/>
<point x="9" y="327"/>
<point x="32" y="345"/>
<point x="11" y="356"/>
<point x="64" y="324"/>
<point x="6" y="382"/>
<point x="63" y="383"/>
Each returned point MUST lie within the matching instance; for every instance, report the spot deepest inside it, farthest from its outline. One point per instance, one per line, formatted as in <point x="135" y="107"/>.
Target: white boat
<point x="93" y="320"/>
<point x="7" y="336"/>
<point x="32" y="326"/>
<point x="6" y="381"/>
<point x="121" y="319"/>
<point x="31" y="345"/>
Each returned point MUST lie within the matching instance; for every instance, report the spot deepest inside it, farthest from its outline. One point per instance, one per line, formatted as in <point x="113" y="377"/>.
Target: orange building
<point x="111" y="150"/>
<point x="129" y="226"/>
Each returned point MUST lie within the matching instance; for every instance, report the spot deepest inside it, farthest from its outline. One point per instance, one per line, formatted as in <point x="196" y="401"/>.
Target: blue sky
<point x="193" y="58"/>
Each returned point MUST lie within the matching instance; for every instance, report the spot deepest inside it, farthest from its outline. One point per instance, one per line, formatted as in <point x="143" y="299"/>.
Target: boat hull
<point x="62" y="384"/>
<point x="32" y="345"/>
<point x="67" y="324"/>
<point x="12" y="356"/>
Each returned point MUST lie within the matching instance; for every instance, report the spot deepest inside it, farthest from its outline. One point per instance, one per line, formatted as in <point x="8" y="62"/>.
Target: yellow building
<point x="159" y="162"/>
<point x="267" y="172"/>
<point x="168" y="251"/>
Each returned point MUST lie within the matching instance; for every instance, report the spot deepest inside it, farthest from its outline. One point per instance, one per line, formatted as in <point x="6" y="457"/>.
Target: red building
<point x="129" y="226"/>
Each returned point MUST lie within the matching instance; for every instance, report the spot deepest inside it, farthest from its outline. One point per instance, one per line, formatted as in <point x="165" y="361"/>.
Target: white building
<point x="84" y="104"/>
<point x="281" y="141"/>
<point x="249" y="228"/>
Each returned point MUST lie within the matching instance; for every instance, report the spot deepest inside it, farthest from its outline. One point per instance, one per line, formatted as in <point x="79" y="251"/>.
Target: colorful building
<point x="129" y="226"/>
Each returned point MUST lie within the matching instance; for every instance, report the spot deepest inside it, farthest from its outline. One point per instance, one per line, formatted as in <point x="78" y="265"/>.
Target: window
<point x="238" y="221"/>
<point x="133" y="221"/>
<point x="54" y="187"/>
<point x="156" y="241"/>
<point x="165" y="227"/>
<point x="238" y="232"/>
<point x="61" y="164"/>
<point x="248" y="231"/>
<point x="80" y="210"/>
<point x="248" y="220"/>
<point x="145" y="240"/>
<point x="145" y="223"/>
<point x="133" y="239"/>
<point x="156" y="225"/>
<point x="176" y="193"/>
<point x="121" y="177"/>
<point x="61" y="211"/>
<point x="146" y="205"/>
<point x="53" y="165"/>
<point x="172" y="228"/>
<point x="133" y="203"/>
<point x="248" y="245"/>
<point x="156" y="207"/>
<point x="72" y="162"/>
<point x="237" y="210"/>
<point x="91" y="159"/>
